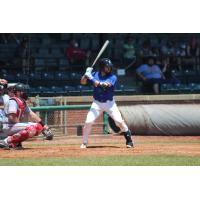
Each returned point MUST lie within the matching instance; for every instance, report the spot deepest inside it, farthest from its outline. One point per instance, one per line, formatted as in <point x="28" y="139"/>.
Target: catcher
<point x="11" y="116"/>
<point x="104" y="82"/>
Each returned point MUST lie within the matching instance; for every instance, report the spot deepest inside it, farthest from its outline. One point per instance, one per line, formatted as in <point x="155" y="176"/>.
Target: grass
<point x="145" y="160"/>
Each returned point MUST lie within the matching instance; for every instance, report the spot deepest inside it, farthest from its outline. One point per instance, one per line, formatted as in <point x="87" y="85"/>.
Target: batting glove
<point x="89" y="70"/>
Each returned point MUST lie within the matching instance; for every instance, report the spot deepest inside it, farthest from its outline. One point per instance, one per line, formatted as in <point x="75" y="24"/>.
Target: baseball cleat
<point x="4" y="145"/>
<point x="83" y="146"/>
<point x="18" y="146"/>
<point x="129" y="145"/>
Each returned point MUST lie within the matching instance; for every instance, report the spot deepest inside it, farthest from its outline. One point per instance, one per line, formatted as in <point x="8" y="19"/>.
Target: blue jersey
<point x="104" y="94"/>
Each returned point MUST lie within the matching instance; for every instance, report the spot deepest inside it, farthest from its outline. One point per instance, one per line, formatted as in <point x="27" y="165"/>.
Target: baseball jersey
<point x="104" y="94"/>
<point x="150" y="71"/>
<point x="13" y="107"/>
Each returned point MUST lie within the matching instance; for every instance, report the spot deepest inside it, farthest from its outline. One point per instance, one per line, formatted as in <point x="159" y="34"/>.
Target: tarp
<point x="162" y="119"/>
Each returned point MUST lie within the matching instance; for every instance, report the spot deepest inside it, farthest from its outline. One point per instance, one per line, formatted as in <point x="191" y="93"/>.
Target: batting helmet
<point x="22" y="88"/>
<point x="105" y="62"/>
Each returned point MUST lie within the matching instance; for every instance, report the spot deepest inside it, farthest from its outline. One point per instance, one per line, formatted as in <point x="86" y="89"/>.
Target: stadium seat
<point x="43" y="53"/>
<point x="70" y="90"/>
<point x="21" y="77"/>
<point x="63" y="62"/>
<point x="39" y="62"/>
<point x="95" y="44"/>
<point x="35" y="76"/>
<point x="48" y="76"/>
<point x="56" y="53"/>
<point x="51" y="62"/>
<point x="85" y="43"/>
<point x="57" y="90"/>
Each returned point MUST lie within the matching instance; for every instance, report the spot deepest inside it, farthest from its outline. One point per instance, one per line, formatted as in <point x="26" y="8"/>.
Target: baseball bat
<point x="100" y="52"/>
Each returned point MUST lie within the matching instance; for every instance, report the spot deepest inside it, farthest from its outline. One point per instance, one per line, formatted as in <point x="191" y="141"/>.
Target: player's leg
<point x="94" y="112"/>
<point x="115" y="114"/>
<point x="19" y="133"/>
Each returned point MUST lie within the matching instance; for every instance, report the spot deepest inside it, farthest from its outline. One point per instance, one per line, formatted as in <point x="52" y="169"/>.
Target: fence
<point x="69" y="119"/>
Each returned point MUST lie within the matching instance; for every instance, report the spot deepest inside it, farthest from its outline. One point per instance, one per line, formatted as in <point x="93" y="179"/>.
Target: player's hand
<point x="89" y="75"/>
<point x="3" y="81"/>
<point x="89" y="70"/>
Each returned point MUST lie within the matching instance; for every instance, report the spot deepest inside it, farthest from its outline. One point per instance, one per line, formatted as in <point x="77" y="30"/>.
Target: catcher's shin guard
<point x="23" y="135"/>
<point x="129" y="142"/>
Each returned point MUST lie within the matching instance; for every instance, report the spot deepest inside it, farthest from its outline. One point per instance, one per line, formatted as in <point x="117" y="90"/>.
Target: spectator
<point x="76" y="55"/>
<point x="145" y="49"/>
<point x="151" y="76"/>
<point x="168" y="72"/>
<point x="129" y="51"/>
<point x="192" y="53"/>
<point x="169" y="51"/>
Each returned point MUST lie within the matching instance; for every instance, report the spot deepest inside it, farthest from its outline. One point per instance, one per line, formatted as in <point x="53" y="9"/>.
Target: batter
<point x="104" y="83"/>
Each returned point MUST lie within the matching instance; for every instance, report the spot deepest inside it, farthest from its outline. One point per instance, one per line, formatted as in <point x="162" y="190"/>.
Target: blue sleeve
<point x="140" y="69"/>
<point x="112" y="80"/>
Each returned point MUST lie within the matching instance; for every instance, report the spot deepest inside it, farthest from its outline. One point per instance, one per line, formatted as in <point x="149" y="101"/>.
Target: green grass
<point x="147" y="160"/>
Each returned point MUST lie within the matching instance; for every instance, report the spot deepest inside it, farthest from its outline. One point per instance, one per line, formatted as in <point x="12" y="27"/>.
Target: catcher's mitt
<point x="48" y="134"/>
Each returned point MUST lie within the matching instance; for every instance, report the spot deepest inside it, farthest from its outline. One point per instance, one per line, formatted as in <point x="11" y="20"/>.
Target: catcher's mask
<point x="105" y="65"/>
<point x="23" y="89"/>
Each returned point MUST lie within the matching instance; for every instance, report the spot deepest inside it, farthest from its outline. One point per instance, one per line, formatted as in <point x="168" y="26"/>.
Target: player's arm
<point x="11" y="112"/>
<point x="12" y="118"/>
<point x="34" y="117"/>
<point x="84" y="80"/>
<point x="109" y="82"/>
<point x="89" y="76"/>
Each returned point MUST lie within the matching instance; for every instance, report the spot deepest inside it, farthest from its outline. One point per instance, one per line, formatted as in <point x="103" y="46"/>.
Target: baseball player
<point x="10" y="117"/>
<point x="104" y="82"/>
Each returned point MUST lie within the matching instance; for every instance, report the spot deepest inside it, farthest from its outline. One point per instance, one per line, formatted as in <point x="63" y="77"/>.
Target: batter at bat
<point x="104" y="83"/>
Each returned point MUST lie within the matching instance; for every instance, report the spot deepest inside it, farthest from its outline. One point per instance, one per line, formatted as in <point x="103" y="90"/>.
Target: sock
<point x="127" y="136"/>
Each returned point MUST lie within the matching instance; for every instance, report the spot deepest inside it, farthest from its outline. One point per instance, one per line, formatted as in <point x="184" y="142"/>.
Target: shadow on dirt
<point x="101" y="147"/>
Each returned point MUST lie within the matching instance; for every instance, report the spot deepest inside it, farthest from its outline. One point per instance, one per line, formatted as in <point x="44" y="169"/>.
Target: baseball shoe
<point x="4" y="145"/>
<point x="83" y="146"/>
<point x="18" y="146"/>
<point x="129" y="145"/>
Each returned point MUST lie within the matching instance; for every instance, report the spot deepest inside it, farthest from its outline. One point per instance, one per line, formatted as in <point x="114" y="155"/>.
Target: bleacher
<point x="50" y="73"/>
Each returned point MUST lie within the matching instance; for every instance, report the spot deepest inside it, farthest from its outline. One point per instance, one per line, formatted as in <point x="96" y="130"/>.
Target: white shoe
<point x="83" y="146"/>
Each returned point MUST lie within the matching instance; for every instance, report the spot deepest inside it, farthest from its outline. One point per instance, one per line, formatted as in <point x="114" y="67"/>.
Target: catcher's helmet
<point x="22" y="88"/>
<point x="105" y="62"/>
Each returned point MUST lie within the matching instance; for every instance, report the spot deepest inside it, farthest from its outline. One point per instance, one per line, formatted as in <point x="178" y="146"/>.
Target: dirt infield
<point x="107" y="146"/>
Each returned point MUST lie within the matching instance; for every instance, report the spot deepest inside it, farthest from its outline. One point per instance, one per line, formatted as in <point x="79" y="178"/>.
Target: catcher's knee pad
<point x="122" y="125"/>
<point x="39" y="128"/>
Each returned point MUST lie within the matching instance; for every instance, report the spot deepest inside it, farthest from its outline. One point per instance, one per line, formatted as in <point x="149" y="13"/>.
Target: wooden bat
<point x="100" y="52"/>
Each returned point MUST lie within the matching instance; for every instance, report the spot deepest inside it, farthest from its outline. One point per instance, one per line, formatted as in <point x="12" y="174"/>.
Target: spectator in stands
<point x="169" y="50"/>
<point x="22" y="55"/>
<point x="192" y="53"/>
<point x="76" y="55"/>
<point x="151" y="76"/>
<point x="167" y="70"/>
<point x="129" y="55"/>
<point x="7" y="37"/>
<point x="146" y="49"/>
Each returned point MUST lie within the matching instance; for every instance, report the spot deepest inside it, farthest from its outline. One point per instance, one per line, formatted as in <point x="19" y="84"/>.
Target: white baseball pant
<point x="97" y="108"/>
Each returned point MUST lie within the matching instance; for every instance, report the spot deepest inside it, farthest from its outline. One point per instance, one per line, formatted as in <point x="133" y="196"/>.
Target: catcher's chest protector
<point x="21" y="106"/>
